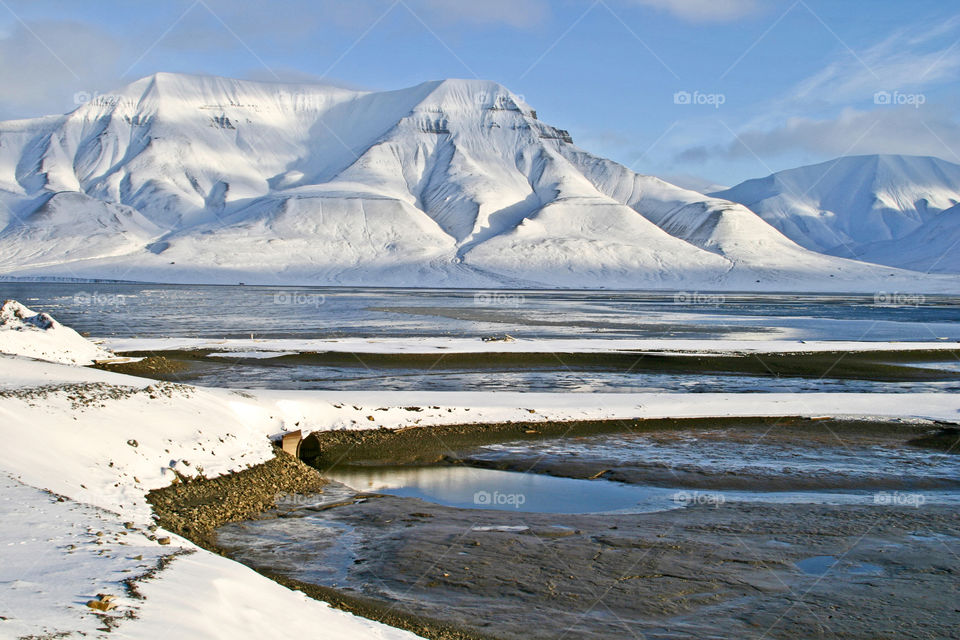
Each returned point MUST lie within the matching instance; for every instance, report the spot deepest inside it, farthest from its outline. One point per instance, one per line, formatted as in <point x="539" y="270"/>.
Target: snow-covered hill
<point x="180" y="178"/>
<point x="881" y="208"/>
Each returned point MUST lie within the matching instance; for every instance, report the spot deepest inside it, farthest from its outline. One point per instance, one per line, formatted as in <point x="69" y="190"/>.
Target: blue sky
<point x="723" y="90"/>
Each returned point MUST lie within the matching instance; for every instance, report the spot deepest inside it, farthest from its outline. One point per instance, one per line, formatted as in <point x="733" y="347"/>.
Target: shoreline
<point x="194" y="508"/>
<point x="433" y="444"/>
<point x="259" y="486"/>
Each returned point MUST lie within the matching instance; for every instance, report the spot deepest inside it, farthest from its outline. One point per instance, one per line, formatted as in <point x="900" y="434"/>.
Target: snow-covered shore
<point x="25" y="332"/>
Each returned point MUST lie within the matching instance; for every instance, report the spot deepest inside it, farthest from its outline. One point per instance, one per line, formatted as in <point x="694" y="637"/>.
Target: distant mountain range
<point x="888" y="209"/>
<point x="196" y="179"/>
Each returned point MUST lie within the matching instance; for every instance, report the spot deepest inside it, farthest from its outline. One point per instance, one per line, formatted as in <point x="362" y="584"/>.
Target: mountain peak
<point x="457" y="94"/>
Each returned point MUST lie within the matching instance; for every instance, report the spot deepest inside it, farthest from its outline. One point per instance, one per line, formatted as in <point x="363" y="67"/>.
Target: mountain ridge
<point x="448" y="183"/>
<point x="854" y="205"/>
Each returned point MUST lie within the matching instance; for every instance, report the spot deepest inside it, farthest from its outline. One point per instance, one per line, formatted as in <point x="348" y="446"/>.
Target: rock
<point x="163" y="540"/>
<point x="499" y="338"/>
<point x="133" y="443"/>
<point x="100" y="605"/>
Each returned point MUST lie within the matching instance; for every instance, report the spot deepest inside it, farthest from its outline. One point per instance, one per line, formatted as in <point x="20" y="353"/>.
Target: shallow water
<point x="277" y="312"/>
<point x="489" y="489"/>
<point x="471" y="488"/>
<point x="260" y="373"/>
<point x="485" y="549"/>
<point x="128" y="310"/>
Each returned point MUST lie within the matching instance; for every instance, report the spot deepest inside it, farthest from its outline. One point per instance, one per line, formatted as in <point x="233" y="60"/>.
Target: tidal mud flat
<point x="717" y="568"/>
<point x="729" y="571"/>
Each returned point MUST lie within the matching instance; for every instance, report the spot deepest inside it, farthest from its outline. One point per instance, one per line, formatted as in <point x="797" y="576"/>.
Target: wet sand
<point x="707" y="570"/>
<point x="455" y="443"/>
<point x="732" y="571"/>
<point x="886" y="366"/>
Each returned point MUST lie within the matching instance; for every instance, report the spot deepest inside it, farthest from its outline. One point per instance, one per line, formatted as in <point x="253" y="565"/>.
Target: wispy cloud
<point x="922" y="56"/>
<point x="703" y="10"/>
<point x="858" y="104"/>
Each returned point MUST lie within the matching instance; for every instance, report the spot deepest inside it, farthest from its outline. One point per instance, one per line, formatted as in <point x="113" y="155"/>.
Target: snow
<point x="932" y="247"/>
<point x="91" y="449"/>
<point x="273" y="348"/>
<point x="221" y="430"/>
<point x="53" y="562"/>
<point x="869" y="207"/>
<point x="104" y="455"/>
<point x="454" y="183"/>
<point x="217" y="598"/>
<point x="28" y="333"/>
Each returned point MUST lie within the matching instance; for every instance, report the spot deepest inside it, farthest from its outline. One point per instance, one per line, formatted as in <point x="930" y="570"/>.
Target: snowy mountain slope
<point x="840" y="207"/>
<point x="933" y="247"/>
<point x="69" y="225"/>
<point x="454" y="183"/>
<point x="758" y="253"/>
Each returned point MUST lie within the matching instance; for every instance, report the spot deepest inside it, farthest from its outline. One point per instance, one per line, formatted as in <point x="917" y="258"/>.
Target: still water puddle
<point x="473" y="488"/>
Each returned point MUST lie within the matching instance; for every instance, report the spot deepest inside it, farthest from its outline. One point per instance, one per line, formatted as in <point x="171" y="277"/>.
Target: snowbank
<point x="101" y="441"/>
<point x="25" y="332"/>
<point x="56" y="555"/>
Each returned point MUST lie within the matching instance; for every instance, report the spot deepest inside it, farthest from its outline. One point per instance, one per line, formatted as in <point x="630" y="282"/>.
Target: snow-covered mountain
<point x="181" y="178"/>
<point x="933" y="247"/>
<point x="880" y="208"/>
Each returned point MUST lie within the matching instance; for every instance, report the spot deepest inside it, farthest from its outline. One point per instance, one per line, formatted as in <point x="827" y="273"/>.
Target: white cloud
<point x="704" y="10"/>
